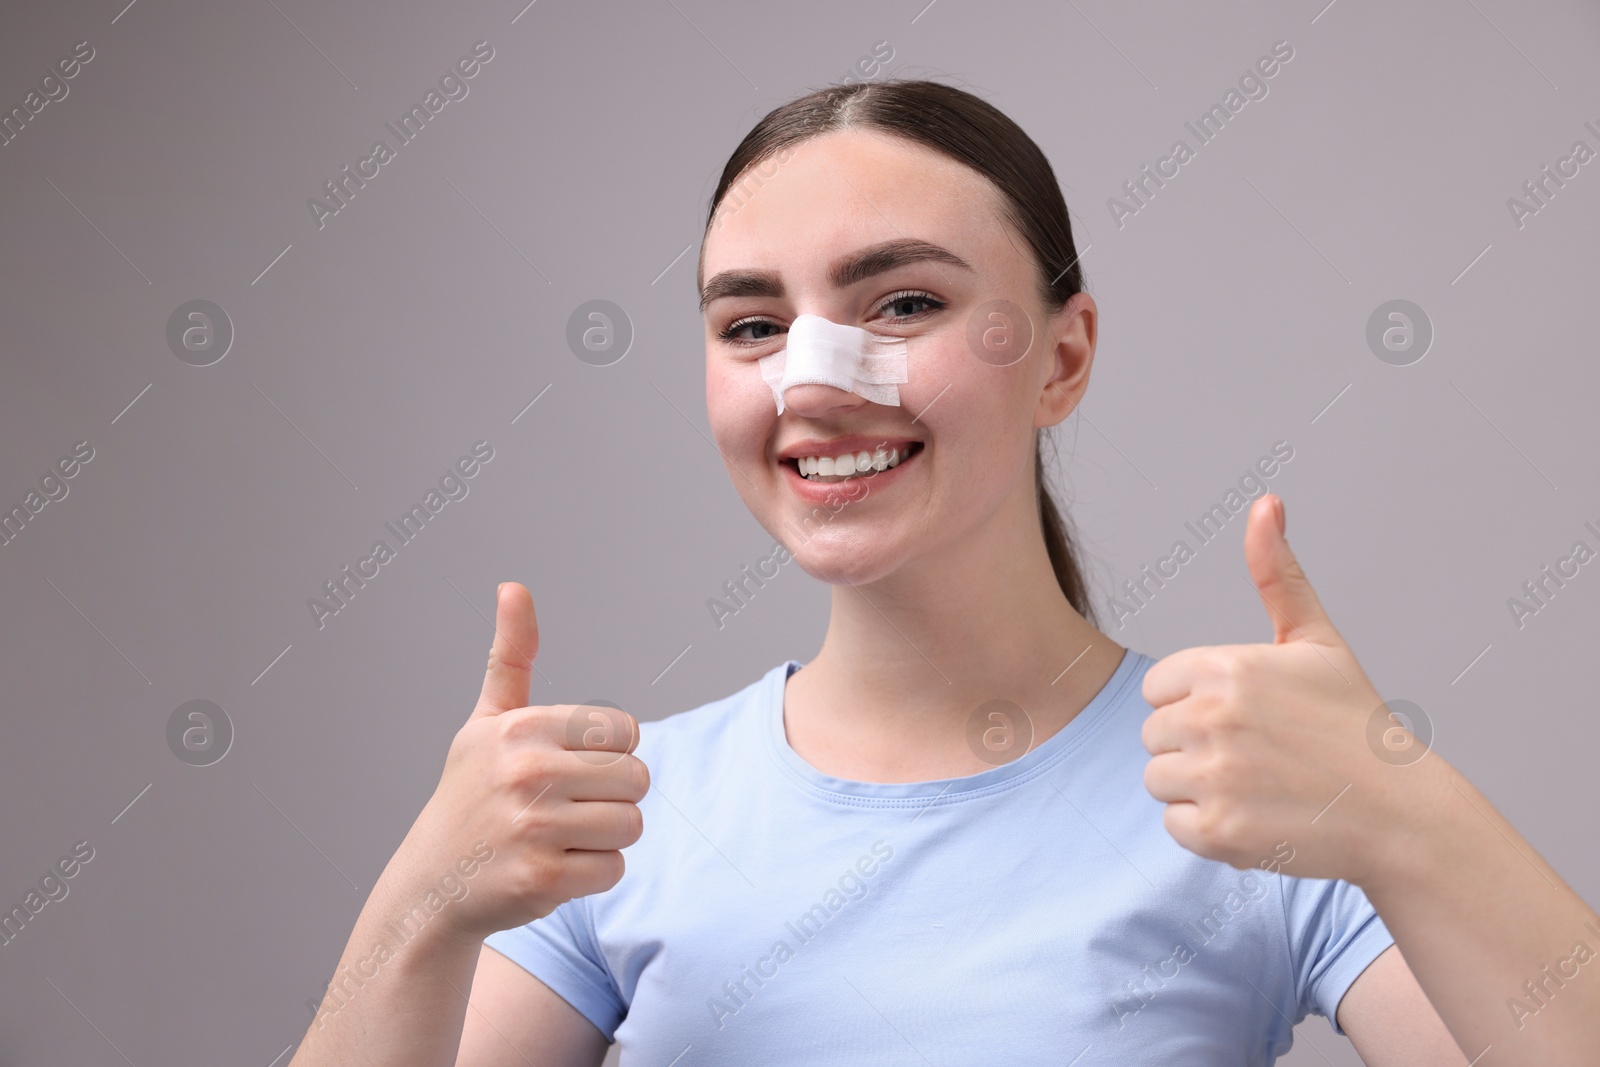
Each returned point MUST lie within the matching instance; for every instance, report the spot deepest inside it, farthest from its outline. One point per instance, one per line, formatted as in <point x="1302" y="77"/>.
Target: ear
<point x="1070" y="334"/>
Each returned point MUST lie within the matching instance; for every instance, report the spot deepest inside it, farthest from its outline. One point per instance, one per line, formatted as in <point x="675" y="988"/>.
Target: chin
<point x="843" y="561"/>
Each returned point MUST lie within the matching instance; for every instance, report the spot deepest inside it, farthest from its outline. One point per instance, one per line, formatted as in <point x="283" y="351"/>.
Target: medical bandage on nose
<point x="821" y="352"/>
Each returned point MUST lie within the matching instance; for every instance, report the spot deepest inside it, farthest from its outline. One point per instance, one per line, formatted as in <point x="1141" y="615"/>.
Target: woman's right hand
<point x="553" y="791"/>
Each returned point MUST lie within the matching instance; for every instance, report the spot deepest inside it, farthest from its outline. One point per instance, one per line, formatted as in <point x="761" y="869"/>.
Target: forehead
<point x="847" y="189"/>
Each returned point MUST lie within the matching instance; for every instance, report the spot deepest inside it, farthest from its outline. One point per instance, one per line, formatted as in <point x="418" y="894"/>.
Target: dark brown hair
<point x="971" y="131"/>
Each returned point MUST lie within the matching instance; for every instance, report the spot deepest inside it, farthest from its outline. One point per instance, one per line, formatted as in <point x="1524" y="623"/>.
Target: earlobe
<point x="1054" y="406"/>
<point x="1073" y="355"/>
<point x="1058" y="401"/>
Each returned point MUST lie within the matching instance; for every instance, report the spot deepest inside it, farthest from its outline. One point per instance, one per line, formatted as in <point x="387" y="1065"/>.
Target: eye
<point x="912" y="297"/>
<point x="909" y="297"/>
<point x="731" y="333"/>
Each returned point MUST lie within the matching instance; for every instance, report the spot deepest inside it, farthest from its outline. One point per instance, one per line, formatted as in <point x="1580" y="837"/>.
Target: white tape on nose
<point x="821" y="352"/>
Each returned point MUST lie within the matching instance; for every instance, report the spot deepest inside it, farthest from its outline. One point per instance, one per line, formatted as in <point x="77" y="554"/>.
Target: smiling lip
<point x="827" y="492"/>
<point x="838" y="446"/>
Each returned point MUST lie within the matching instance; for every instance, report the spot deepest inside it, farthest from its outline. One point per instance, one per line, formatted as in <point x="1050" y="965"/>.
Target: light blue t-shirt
<point x="1032" y="913"/>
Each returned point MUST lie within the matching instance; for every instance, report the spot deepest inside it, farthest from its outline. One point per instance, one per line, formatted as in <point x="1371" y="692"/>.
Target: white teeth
<point x="850" y="464"/>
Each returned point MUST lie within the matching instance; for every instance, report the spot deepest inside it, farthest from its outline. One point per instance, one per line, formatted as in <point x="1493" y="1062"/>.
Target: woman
<point x="973" y="828"/>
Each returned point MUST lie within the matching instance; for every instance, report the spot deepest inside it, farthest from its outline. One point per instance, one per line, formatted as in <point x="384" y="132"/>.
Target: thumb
<point x="1286" y="593"/>
<point x="516" y="642"/>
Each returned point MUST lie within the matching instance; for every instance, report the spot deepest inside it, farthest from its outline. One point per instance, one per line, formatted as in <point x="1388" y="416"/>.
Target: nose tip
<point x="813" y="399"/>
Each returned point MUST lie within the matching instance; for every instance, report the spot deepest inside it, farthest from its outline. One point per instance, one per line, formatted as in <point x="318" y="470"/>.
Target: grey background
<point x="429" y="312"/>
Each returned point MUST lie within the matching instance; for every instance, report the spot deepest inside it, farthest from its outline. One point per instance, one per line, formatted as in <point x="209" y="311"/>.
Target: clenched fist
<point x="554" y="791"/>
<point x="1257" y="745"/>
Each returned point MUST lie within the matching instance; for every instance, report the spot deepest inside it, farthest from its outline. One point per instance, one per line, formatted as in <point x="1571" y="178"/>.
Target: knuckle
<point x="512" y="726"/>
<point x="1216" y="777"/>
<point x="638" y="779"/>
<point x="1223" y="827"/>
<point x="537" y="875"/>
<point x="1197" y="719"/>
<point x="1208" y="824"/>
<point x="534" y="821"/>
<point x="1226" y="666"/>
<point x="633" y="822"/>
<point x="1227" y="772"/>
<point x="612" y="867"/>
<point x="600" y="872"/>
<point x="544" y="723"/>
<point x="521" y="770"/>
<point x="538" y="764"/>
<point x="1146" y="732"/>
<point x="1223" y="718"/>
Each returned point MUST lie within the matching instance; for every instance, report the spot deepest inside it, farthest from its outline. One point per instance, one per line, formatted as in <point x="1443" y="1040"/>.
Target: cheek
<point x="979" y="413"/>
<point x="739" y="405"/>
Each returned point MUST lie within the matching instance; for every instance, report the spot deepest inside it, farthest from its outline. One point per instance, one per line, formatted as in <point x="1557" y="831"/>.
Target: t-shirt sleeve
<point x="1334" y="934"/>
<point x="561" y="951"/>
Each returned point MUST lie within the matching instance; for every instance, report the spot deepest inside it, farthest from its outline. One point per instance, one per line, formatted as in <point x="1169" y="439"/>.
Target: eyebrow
<point x="845" y="271"/>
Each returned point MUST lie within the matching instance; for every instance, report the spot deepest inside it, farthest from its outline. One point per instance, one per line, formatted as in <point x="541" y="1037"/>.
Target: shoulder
<point x="712" y="730"/>
<point x="1112" y="723"/>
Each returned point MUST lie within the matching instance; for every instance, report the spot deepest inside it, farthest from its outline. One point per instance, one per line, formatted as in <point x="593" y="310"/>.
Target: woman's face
<point x="780" y="246"/>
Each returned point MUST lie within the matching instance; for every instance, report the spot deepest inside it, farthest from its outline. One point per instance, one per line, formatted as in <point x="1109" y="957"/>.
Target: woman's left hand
<point x="1257" y="745"/>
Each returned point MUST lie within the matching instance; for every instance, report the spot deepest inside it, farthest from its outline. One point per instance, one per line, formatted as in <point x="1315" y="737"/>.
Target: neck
<point x="908" y="659"/>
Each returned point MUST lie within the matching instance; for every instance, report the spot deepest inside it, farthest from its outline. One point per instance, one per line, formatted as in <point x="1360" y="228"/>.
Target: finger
<point x="1286" y="592"/>
<point x="1170" y="778"/>
<point x="1182" y="820"/>
<point x="603" y="825"/>
<point x="579" y="777"/>
<point x="1166" y="729"/>
<point x="626" y="779"/>
<point x="605" y="731"/>
<point x="584" y="872"/>
<point x="1172" y="678"/>
<point x="516" y="642"/>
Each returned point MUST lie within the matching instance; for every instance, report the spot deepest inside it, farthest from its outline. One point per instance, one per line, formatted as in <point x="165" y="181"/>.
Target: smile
<point x="818" y="488"/>
<point x="851" y="464"/>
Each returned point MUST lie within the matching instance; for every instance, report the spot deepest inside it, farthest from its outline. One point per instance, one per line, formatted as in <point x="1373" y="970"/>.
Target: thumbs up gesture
<point x="553" y="791"/>
<point x="1254" y="746"/>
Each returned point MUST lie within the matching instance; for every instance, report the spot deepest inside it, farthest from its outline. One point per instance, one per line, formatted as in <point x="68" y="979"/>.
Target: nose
<point x="815" y="401"/>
